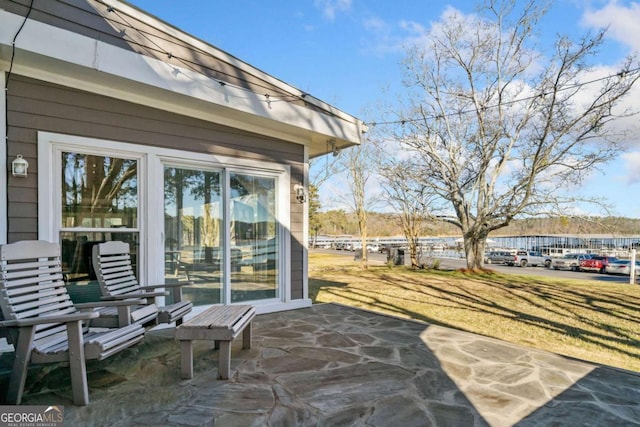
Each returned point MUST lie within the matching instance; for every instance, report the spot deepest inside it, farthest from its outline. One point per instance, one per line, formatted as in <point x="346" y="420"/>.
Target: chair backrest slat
<point x="31" y="284"/>
<point x="112" y="264"/>
<point x="116" y="272"/>
<point x="15" y="269"/>
<point x="120" y="278"/>
<point x="35" y="308"/>
<point x="14" y="291"/>
<point x="115" y="261"/>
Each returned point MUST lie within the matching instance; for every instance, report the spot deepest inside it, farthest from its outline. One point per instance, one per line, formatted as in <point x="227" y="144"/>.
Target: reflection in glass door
<point x="253" y="237"/>
<point x="99" y="202"/>
<point x="193" y="220"/>
<point x="227" y="260"/>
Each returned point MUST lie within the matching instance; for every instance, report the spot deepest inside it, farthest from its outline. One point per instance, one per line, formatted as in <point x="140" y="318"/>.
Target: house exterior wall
<point x="35" y="105"/>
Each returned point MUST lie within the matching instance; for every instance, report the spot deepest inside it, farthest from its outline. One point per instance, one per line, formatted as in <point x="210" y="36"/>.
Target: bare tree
<point x="359" y="163"/>
<point x="314" y="211"/>
<point x="322" y="168"/>
<point x="498" y="128"/>
<point x="409" y="198"/>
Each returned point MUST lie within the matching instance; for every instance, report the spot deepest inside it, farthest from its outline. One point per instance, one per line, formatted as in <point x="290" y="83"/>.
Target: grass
<point x="584" y="319"/>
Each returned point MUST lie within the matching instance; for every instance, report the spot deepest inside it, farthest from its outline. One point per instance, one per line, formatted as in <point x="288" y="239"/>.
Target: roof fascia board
<point x="41" y="44"/>
<point x="222" y="55"/>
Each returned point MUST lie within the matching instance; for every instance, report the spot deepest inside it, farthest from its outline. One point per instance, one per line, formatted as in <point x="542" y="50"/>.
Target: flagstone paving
<point x="332" y="365"/>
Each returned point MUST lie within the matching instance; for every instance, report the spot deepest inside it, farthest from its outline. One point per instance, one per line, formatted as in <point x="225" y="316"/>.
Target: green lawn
<point x="585" y="319"/>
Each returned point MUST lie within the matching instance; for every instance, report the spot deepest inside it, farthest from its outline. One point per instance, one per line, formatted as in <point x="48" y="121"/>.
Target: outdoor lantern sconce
<point x="334" y="148"/>
<point x="301" y="194"/>
<point x="19" y="167"/>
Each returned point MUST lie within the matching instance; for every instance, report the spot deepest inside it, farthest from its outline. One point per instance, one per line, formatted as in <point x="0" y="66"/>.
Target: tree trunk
<point x="474" y="251"/>
<point x="364" y="263"/>
<point x="413" y="253"/>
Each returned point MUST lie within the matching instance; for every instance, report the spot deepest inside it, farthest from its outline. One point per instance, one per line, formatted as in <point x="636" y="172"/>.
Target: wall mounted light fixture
<point x="19" y="167"/>
<point x="301" y="194"/>
<point x="334" y="149"/>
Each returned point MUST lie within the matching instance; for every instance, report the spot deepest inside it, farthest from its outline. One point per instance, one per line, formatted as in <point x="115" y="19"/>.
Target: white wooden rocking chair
<point x="40" y="320"/>
<point x="112" y="265"/>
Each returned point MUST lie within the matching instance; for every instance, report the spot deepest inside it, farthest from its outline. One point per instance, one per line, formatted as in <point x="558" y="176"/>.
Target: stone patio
<point x="332" y="365"/>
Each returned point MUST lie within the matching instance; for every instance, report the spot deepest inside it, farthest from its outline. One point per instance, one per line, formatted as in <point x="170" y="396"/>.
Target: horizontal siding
<point x="22" y="228"/>
<point x="297" y="265"/>
<point x="38" y="106"/>
<point x="23" y="209"/>
<point x="77" y="113"/>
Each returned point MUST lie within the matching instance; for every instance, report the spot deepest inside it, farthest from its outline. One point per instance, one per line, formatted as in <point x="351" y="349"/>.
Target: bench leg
<point x="246" y="337"/>
<point x="186" y="359"/>
<point x="224" y="364"/>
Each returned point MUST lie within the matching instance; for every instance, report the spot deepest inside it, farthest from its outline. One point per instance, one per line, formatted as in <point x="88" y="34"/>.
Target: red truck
<point x="596" y="263"/>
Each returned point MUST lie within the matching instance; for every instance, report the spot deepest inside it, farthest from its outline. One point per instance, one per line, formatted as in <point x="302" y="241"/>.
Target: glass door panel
<point x="193" y="246"/>
<point x="253" y="238"/>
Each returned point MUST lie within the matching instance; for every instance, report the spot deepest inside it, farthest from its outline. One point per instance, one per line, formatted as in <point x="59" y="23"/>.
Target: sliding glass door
<point x="254" y="237"/>
<point x="193" y="222"/>
<point x="221" y="233"/>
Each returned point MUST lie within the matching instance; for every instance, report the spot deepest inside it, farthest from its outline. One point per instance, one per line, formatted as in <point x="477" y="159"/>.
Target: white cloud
<point x="385" y="37"/>
<point x="625" y="126"/>
<point x="622" y="22"/>
<point x="376" y="25"/>
<point x="331" y="7"/>
<point x="632" y="166"/>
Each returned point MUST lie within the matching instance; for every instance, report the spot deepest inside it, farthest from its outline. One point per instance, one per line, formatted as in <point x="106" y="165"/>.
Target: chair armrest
<point x="168" y="285"/>
<point x="130" y="301"/>
<point x="63" y="318"/>
<point x="135" y="295"/>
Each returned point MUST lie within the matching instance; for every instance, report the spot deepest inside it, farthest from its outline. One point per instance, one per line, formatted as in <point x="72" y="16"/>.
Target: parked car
<point x="497" y="257"/>
<point x="526" y="258"/>
<point x="621" y="266"/>
<point x="596" y="263"/>
<point x="569" y="262"/>
<point x="373" y="247"/>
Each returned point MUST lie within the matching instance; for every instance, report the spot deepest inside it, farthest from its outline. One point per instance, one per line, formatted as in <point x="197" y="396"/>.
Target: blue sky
<point x="348" y="52"/>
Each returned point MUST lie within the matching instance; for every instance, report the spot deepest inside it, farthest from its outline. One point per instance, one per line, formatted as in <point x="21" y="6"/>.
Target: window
<point x="99" y="202"/>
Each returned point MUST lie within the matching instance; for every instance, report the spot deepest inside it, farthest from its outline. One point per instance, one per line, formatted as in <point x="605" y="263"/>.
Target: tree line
<point x="340" y="222"/>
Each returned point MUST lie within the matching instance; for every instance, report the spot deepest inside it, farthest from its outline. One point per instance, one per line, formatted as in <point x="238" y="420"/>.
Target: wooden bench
<point x="221" y="324"/>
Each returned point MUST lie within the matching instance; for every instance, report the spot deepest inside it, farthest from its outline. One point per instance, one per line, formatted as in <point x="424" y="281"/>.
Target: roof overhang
<point x="56" y="55"/>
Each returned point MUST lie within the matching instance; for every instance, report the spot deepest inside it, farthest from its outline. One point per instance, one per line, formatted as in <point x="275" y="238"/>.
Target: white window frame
<point x="150" y="225"/>
<point x="50" y="148"/>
